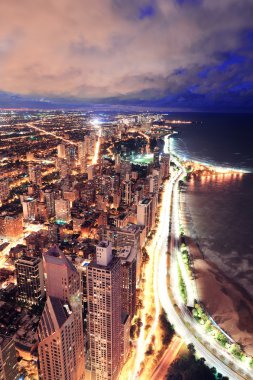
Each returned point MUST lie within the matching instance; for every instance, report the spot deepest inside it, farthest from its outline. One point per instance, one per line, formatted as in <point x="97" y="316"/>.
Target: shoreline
<point x="212" y="166"/>
<point x="227" y="302"/>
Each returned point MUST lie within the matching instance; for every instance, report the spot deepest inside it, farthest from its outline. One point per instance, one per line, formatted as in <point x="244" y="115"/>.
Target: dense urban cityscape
<point x="97" y="273"/>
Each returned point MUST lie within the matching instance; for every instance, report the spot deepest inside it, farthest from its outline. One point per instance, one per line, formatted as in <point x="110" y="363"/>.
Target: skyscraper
<point x="104" y="313"/>
<point x="30" y="280"/>
<point x="62" y="210"/>
<point x="35" y="174"/>
<point x="8" y="359"/>
<point x="127" y="257"/>
<point x="61" y="347"/>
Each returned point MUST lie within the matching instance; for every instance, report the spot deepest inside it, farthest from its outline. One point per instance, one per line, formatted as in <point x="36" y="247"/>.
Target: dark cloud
<point x="187" y="53"/>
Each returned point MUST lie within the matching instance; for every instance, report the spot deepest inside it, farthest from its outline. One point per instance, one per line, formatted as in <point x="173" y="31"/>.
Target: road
<point x="167" y="359"/>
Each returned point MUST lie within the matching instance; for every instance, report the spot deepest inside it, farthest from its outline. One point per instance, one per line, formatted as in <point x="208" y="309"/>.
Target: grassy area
<point x="202" y="317"/>
<point x="182" y="286"/>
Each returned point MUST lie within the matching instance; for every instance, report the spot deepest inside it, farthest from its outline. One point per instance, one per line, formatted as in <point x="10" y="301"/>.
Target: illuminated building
<point x="127" y="190"/>
<point x="125" y="168"/>
<point x="91" y="171"/>
<point x="30" y="281"/>
<point x="4" y="190"/>
<point x="154" y="184"/>
<point x="104" y="314"/>
<point x="49" y="198"/>
<point x="71" y="155"/>
<point x="128" y="258"/>
<point x="8" y="359"/>
<point x="61" y="346"/>
<point x="62" y="210"/>
<point x="130" y="235"/>
<point x="156" y="159"/>
<point x="165" y="165"/>
<point x="11" y="226"/>
<point x="35" y="174"/>
<point x="29" y="205"/>
<point x="63" y="167"/>
<point x="61" y="151"/>
<point x="83" y="165"/>
<point x="117" y="163"/>
<point x="145" y="213"/>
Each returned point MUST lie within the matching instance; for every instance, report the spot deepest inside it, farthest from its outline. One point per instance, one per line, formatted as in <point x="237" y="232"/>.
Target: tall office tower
<point x="61" y="151"/>
<point x="82" y="156"/>
<point x="165" y="165"/>
<point x="30" y="280"/>
<point x="49" y="198"/>
<point x="42" y="214"/>
<point x="63" y="167"/>
<point x="35" y="174"/>
<point x="104" y="313"/>
<point x="91" y="171"/>
<point x="154" y="184"/>
<point x="61" y="346"/>
<point x="127" y="190"/>
<point x="156" y="157"/>
<point x="131" y="235"/>
<point x="138" y="194"/>
<point x="145" y="214"/>
<point x="87" y="145"/>
<point x="4" y="190"/>
<point x="71" y="155"/>
<point x="128" y="259"/>
<point x="125" y="168"/>
<point x="117" y="163"/>
<point x="11" y="226"/>
<point x="8" y="359"/>
<point x="29" y="205"/>
<point x="82" y="270"/>
<point x="62" y="210"/>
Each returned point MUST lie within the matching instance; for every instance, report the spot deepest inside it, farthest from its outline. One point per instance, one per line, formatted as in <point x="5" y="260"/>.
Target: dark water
<point x="222" y="206"/>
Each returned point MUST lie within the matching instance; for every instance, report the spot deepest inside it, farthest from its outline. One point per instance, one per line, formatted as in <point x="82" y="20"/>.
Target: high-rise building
<point x="145" y="214"/>
<point x="90" y="172"/>
<point x="117" y="163"/>
<point x="128" y="258"/>
<point x="49" y="199"/>
<point x="30" y="280"/>
<point x="29" y="205"/>
<point x="59" y="270"/>
<point x="130" y="235"/>
<point x="62" y="210"/>
<point x="61" y="151"/>
<point x="156" y="157"/>
<point x="154" y="184"/>
<point x="63" y="167"/>
<point x="8" y="359"/>
<point x="104" y="313"/>
<point x="165" y="165"/>
<point x="4" y="190"/>
<point x="61" y="346"/>
<point x="35" y="174"/>
<point x="127" y="190"/>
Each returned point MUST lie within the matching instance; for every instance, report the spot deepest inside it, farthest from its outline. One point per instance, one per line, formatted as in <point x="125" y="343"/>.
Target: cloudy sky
<point x="180" y="54"/>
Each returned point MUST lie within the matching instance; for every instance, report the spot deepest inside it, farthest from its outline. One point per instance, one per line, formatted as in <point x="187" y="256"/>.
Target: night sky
<point x="179" y="54"/>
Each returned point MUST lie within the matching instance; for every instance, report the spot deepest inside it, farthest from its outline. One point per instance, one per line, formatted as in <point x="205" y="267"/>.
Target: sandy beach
<point x="228" y="303"/>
